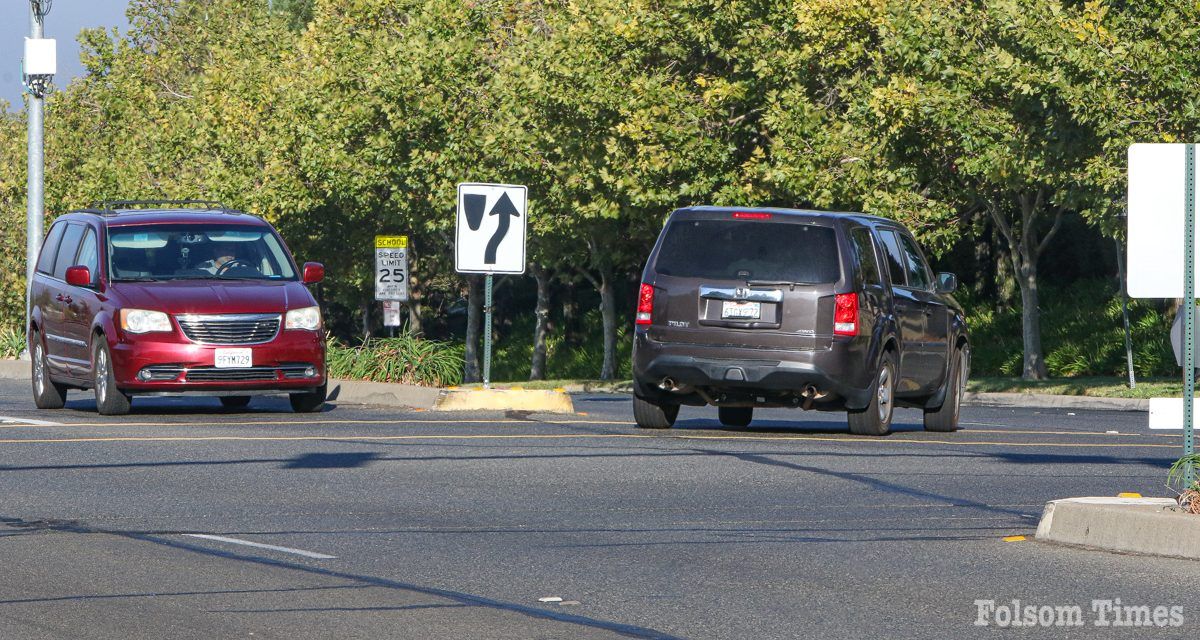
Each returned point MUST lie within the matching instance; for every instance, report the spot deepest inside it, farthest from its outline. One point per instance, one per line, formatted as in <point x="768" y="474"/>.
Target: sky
<point x="65" y="20"/>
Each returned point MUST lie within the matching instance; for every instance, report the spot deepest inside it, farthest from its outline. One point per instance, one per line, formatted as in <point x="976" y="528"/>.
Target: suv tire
<point x="235" y="402"/>
<point x="876" y="418"/>
<point x="945" y="417"/>
<point x="110" y="401"/>
<point x="309" y="401"/>
<point x="739" y="417"/>
<point x="47" y="394"/>
<point x="651" y="415"/>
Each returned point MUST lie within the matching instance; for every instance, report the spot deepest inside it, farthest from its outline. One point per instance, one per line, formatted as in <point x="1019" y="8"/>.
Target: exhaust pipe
<point x="667" y="384"/>
<point x="810" y="394"/>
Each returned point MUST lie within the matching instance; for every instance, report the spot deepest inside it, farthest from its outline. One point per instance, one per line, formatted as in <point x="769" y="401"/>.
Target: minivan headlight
<point x="142" y="321"/>
<point x="306" y="318"/>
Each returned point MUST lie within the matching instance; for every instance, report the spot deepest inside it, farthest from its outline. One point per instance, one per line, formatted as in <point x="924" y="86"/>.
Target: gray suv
<point x="744" y="308"/>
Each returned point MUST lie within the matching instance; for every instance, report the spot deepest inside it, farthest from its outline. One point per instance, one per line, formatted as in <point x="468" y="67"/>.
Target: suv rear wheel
<point x="47" y="394"/>
<point x="876" y="418"/>
<point x="651" y="415"/>
<point x="735" y="416"/>
<point x="945" y="417"/>
<point x="110" y="401"/>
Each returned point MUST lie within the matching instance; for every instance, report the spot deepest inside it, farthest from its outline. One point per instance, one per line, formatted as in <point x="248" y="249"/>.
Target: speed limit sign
<point x="391" y="268"/>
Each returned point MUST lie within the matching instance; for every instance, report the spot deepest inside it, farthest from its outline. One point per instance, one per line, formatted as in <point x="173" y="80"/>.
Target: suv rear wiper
<point x="775" y="283"/>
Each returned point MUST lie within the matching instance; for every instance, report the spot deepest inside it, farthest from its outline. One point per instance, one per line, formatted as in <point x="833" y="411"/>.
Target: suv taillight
<point x="845" y="314"/>
<point x="645" y="306"/>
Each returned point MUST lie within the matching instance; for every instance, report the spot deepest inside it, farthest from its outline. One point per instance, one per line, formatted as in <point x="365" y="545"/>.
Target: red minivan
<point x="187" y="297"/>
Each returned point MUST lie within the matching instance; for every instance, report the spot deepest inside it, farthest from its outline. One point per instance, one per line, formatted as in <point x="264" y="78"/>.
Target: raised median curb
<point x="1151" y="526"/>
<point x="386" y="394"/>
<point x="505" y="400"/>
<point x="1047" y="401"/>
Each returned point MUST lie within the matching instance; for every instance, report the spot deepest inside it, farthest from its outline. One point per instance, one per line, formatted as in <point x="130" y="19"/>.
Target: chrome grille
<point x="242" y="328"/>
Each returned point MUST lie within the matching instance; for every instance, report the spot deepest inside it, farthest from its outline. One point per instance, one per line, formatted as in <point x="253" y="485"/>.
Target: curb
<point x="1149" y="526"/>
<point x="505" y="400"/>
<point x="1046" y="401"/>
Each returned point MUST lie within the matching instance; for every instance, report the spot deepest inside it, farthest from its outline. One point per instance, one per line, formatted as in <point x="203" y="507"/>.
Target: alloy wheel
<point x="884" y="391"/>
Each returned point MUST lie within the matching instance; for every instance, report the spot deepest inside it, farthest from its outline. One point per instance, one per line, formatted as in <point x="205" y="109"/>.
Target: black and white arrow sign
<point x="490" y="235"/>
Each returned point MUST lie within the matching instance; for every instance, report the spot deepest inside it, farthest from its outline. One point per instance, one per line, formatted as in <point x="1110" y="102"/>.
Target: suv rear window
<point x="749" y="250"/>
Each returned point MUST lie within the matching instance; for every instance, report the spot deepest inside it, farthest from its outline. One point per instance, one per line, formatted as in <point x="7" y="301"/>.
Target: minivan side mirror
<point x="314" y="272"/>
<point x="79" y="276"/>
<point x="947" y="283"/>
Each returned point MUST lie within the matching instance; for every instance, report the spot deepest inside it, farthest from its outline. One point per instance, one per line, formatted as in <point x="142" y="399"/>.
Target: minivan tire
<point x="47" y="394"/>
<point x="945" y="417"/>
<point x="652" y="415"/>
<point x="110" y="401"/>
<point x="235" y="402"/>
<point x="309" y="401"/>
<point x="739" y="417"/>
<point x="876" y="418"/>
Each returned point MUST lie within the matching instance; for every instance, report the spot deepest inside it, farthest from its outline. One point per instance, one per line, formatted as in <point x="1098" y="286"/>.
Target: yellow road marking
<point x="1013" y="538"/>
<point x="316" y="422"/>
<point x="560" y="436"/>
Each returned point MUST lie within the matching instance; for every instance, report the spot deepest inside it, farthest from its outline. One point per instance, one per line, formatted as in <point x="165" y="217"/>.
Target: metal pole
<point x="487" y="332"/>
<point x="1189" y="302"/>
<point x="33" y="207"/>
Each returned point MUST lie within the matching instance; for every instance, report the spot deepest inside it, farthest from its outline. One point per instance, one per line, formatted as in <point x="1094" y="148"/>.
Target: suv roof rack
<point x="110" y="207"/>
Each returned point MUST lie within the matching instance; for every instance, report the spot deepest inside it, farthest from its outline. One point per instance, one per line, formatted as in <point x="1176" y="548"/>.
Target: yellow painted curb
<point x="1129" y="494"/>
<point x="505" y="400"/>
<point x="1014" y="538"/>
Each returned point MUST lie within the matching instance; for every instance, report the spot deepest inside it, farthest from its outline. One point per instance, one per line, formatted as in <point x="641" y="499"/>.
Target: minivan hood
<point x="208" y="296"/>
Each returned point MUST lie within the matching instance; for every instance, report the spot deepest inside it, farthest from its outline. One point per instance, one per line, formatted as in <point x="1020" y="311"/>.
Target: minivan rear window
<point x="749" y="250"/>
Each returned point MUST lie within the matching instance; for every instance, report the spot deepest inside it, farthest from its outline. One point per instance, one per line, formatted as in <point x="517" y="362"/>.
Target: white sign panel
<point x="1156" y="209"/>
<point x="391" y="313"/>
<point x="490" y="234"/>
<point x="1167" y="413"/>
<point x="391" y="268"/>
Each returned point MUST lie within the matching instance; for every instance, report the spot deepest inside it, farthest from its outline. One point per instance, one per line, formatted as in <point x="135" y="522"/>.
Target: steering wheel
<point x="229" y="265"/>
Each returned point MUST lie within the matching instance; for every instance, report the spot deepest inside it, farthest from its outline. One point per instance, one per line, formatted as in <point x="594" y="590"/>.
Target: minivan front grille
<point x="243" y="328"/>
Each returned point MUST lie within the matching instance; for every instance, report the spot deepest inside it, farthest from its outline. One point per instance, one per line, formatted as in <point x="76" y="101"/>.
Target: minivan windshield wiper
<point x="137" y="279"/>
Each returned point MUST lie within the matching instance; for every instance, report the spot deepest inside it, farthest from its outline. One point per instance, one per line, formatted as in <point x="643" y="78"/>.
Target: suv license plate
<point x="233" y="358"/>
<point x="741" y="310"/>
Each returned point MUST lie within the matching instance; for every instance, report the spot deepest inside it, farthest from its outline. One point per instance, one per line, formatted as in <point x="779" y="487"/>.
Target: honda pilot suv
<point x="191" y="299"/>
<point x="744" y="308"/>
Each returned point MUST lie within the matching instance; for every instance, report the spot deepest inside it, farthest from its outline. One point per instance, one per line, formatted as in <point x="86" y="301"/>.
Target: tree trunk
<point x="366" y="321"/>
<point x="541" y="329"/>
<point x="471" y="368"/>
<point x="608" y="311"/>
<point x="1024" y="249"/>
<point x="1034" y="365"/>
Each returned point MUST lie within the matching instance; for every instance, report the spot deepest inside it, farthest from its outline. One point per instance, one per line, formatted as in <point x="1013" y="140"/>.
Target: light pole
<point x="39" y="66"/>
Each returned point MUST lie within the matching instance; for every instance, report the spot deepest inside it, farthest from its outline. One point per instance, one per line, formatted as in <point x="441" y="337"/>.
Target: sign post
<point x="489" y="239"/>
<point x="1159" y="207"/>
<point x="391" y="276"/>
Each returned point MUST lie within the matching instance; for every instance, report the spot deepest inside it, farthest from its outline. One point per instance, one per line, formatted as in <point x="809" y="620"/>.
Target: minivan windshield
<point x="196" y="252"/>
<point x="751" y="250"/>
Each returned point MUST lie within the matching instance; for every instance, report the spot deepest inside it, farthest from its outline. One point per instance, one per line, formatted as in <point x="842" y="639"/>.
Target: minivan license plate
<point x="233" y="358"/>
<point x="741" y="310"/>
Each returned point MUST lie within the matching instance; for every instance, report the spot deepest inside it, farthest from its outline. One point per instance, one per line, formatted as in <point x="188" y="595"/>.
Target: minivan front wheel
<point x="876" y="418"/>
<point x="651" y="415"/>
<point x="110" y="401"/>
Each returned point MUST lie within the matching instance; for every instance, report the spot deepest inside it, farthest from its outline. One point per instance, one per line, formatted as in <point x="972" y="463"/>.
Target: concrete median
<point x="505" y="400"/>
<point x="1152" y="526"/>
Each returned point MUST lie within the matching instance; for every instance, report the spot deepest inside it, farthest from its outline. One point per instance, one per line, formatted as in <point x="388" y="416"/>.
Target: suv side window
<point x="864" y="249"/>
<point x="918" y="271"/>
<point x="894" y="259"/>
<point x="88" y="255"/>
<point x="67" y="250"/>
<point x="50" y="249"/>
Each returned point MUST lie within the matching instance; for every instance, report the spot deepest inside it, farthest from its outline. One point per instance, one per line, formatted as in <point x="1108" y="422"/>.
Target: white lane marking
<point x="29" y="421"/>
<point x="299" y="552"/>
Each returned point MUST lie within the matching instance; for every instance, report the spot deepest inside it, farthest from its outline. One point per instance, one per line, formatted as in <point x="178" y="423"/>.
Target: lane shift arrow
<point x="505" y="209"/>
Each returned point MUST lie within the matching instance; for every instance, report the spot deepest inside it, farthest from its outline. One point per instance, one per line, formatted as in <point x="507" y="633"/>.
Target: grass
<point x="405" y="359"/>
<point x="12" y="342"/>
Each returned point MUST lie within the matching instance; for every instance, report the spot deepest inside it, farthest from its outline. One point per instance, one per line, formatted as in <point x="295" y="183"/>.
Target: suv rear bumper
<point x="841" y="371"/>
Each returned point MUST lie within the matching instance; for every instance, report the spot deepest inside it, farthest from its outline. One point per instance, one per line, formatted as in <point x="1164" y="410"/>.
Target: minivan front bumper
<point x="840" y="373"/>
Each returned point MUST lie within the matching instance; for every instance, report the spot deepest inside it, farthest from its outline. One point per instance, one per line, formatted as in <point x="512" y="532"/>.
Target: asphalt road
<point x="389" y="524"/>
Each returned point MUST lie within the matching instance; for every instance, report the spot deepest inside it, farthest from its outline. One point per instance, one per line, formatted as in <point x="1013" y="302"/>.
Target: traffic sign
<point x="1156" y="221"/>
<point x="391" y="268"/>
<point x="391" y="313"/>
<point x="490" y="232"/>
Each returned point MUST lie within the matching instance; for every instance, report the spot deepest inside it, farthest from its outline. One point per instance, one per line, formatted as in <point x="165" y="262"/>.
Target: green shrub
<point x="406" y="358"/>
<point x="1082" y="333"/>
<point x="12" y="341"/>
<point x="513" y="350"/>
